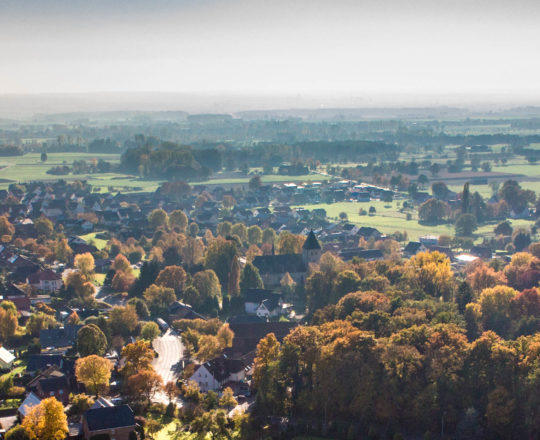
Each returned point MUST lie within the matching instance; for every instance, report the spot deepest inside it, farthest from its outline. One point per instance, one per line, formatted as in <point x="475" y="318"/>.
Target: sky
<point x="290" y="47"/>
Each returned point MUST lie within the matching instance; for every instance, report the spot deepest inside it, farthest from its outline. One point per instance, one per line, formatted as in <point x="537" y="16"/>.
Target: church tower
<point x="311" y="250"/>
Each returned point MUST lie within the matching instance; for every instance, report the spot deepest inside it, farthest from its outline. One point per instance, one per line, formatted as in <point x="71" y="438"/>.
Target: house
<point x="51" y="383"/>
<point x="273" y="268"/>
<point x="413" y="247"/>
<point x="42" y="361"/>
<point x="213" y="374"/>
<point x="114" y="422"/>
<point x="45" y="280"/>
<point x="30" y="401"/>
<point x="270" y="308"/>
<point x="364" y="254"/>
<point x="248" y="334"/>
<point x="254" y="297"/>
<point x="6" y="359"/>
<point x="179" y="310"/>
<point x="59" y="337"/>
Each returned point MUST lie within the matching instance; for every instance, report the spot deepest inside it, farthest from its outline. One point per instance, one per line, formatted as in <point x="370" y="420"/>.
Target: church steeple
<point x="311" y="250"/>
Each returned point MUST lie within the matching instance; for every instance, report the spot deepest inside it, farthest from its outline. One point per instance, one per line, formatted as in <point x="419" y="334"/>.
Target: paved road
<point x="170" y="350"/>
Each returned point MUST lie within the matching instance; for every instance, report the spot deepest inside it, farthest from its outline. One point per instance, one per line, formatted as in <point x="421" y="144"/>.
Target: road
<point x="170" y="350"/>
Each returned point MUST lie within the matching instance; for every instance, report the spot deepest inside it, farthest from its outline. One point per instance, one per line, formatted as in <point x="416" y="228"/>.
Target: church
<point x="273" y="268"/>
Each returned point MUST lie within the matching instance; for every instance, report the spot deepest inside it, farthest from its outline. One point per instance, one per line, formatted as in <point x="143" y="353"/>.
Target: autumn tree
<point x="123" y="320"/>
<point x="8" y="322"/>
<point x="255" y="234"/>
<point x="219" y="256"/>
<point x="208" y="289"/>
<point x="85" y="263"/>
<point x="94" y="372"/>
<point x="288" y="243"/>
<point x="144" y="384"/>
<point x="158" y="218"/>
<point x="485" y="276"/>
<point x="178" y="218"/>
<point x="227" y="399"/>
<point x="91" y="340"/>
<point x="159" y="298"/>
<point x="46" y="420"/>
<point x="43" y="227"/>
<point x="225" y="336"/>
<point x="6" y="228"/>
<point x="495" y="305"/>
<point x="137" y="357"/>
<point x="209" y="348"/>
<point x="62" y="250"/>
<point x="432" y="273"/>
<point x="173" y="277"/>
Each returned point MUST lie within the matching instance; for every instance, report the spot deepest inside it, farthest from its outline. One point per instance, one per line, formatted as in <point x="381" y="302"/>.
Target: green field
<point x="98" y="242"/>
<point x="388" y="219"/>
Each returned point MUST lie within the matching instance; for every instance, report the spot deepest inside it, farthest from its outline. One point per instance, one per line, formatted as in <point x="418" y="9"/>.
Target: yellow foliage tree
<point x="46" y="421"/>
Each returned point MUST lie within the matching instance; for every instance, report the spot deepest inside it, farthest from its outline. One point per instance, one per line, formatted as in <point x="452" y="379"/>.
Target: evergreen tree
<point x="250" y="278"/>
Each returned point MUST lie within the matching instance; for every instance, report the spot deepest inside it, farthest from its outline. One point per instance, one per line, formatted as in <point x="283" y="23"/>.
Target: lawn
<point x="387" y="219"/>
<point x="98" y="242"/>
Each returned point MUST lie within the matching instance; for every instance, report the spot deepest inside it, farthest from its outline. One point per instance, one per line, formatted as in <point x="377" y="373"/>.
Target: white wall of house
<point x="205" y="380"/>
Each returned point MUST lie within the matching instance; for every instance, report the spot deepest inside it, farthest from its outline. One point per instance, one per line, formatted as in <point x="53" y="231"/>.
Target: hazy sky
<point x="294" y="46"/>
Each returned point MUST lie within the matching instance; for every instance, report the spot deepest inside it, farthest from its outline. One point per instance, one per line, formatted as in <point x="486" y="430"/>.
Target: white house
<point x="213" y="374"/>
<point x="45" y="280"/>
<point x="6" y="359"/>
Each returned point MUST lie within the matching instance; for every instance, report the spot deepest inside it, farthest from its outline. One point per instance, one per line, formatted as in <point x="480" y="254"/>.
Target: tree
<point x="347" y="281"/>
<point x="227" y="399"/>
<point x="432" y="273"/>
<point x="240" y="230"/>
<point x="233" y="286"/>
<point x="173" y="277"/>
<point x="137" y="357"/>
<point x="18" y="432"/>
<point x="466" y="225"/>
<point x="43" y="227"/>
<point x="255" y="183"/>
<point x="465" y="199"/>
<point x="255" y="234"/>
<point x="80" y="403"/>
<point x="440" y="190"/>
<point x="225" y="336"/>
<point x="504" y="228"/>
<point x="123" y="320"/>
<point x="6" y="228"/>
<point x="206" y="283"/>
<point x="288" y="243"/>
<point x="484" y="277"/>
<point x="91" y="340"/>
<point x="516" y="197"/>
<point x="267" y="352"/>
<point x="8" y="322"/>
<point x="94" y="372"/>
<point x="209" y="348"/>
<point x="158" y="218"/>
<point x="62" y="250"/>
<point x="46" y="420"/>
<point x="37" y="322"/>
<point x="269" y="236"/>
<point x="219" y="256"/>
<point x="495" y="303"/>
<point x="121" y="264"/>
<point x="140" y="307"/>
<point x="250" y="278"/>
<point x="178" y="218"/>
<point x="146" y="383"/>
<point x="171" y="390"/>
<point x="150" y="331"/>
<point x="159" y="299"/>
<point x="432" y="211"/>
<point x="85" y="263"/>
<point x="521" y="239"/>
<point x="43" y="157"/>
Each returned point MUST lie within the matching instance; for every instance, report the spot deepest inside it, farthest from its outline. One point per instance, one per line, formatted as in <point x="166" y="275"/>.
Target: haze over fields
<point x="239" y="54"/>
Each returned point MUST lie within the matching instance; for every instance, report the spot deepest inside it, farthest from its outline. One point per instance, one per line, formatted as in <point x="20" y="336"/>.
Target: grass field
<point x="98" y="242"/>
<point x="388" y="219"/>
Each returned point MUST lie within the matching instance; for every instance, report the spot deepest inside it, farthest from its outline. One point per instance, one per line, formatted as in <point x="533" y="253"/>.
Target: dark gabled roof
<point x="270" y="303"/>
<point x="277" y="264"/>
<point x="258" y="295"/>
<point x="110" y="417"/>
<point x="183" y="311"/>
<point x="248" y="335"/>
<point x="311" y="242"/>
<point x="53" y="383"/>
<point x="366" y="254"/>
<point x="59" y="337"/>
<point x="368" y="231"/>
<point x="42" y="361"/>
<point x="443" y="250"/>
<point x="412" y="247"/>
<point x="221" y="367"/>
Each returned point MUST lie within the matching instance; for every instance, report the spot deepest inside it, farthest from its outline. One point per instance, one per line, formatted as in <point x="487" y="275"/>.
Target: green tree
<point x="150" y="331"/>
<point x="43" y="227"/>
<point x="466" y="225"/>
<point x="159" y="298"/>
<point x="255" y="234"/>
<point x="158" y="218"/>
<point x="91" y="340"/>
<point x="250" y="278"/>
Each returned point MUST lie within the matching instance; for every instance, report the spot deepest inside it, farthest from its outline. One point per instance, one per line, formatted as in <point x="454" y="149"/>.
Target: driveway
<point x="170" y="351"/>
